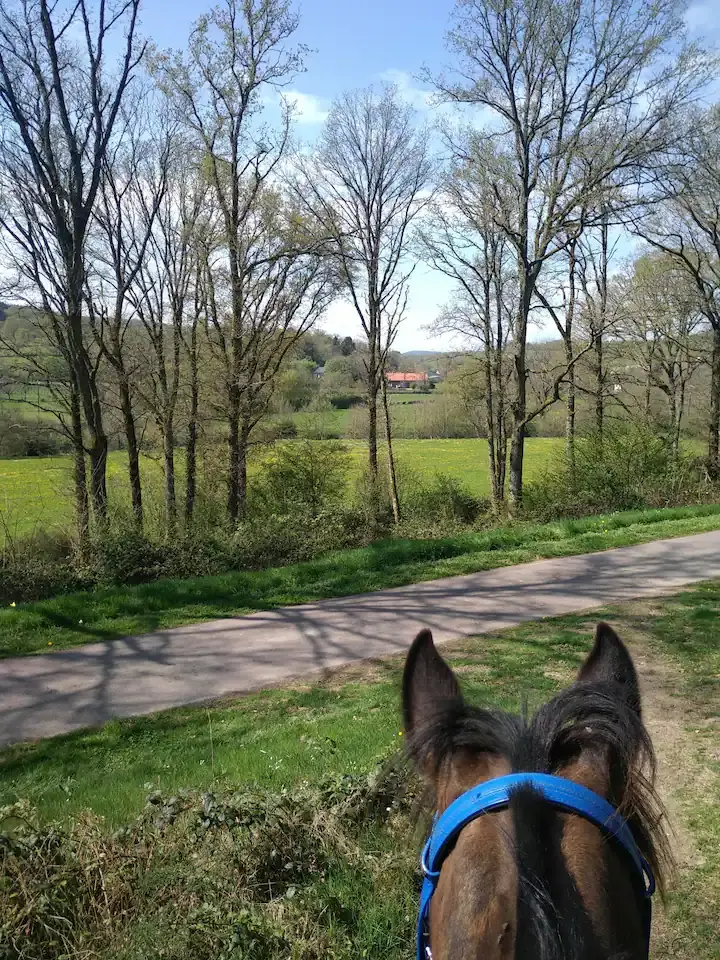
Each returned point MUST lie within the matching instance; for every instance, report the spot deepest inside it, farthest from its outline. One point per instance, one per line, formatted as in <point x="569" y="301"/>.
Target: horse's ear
<point x="429" y="684"/>
<point x="609" y="661"/>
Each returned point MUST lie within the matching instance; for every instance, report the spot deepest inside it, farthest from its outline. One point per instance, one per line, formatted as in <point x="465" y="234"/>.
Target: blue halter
<point x="495" y="795"/>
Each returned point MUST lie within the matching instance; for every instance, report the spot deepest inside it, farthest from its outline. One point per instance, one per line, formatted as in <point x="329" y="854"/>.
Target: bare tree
<point x="59" y="102"/>
<point x="460" y="239"/>
<point x="365" y="185"/>
<point x="564" y="313"/>
<point x="684" y="223"/>
<point x="581" y="96"/>
<point x="130" y="196"/>
<point x="237" y="57"/>
<point x="287" y="285"/>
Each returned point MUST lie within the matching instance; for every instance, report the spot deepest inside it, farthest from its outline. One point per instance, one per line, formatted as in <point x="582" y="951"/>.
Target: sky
<point x="355" y="43"/>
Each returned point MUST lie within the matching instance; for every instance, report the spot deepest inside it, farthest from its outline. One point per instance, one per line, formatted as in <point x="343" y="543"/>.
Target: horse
<point x="560" y="864"/>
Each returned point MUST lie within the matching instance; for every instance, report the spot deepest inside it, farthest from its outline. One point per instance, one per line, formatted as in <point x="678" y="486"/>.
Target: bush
<point x="344" y="401"/>
<point x="307" y="478"/>
<point x="441" y="502"/>
<point x="248" y="874"/>
<point x="632" y="467"/>
<point x="23" y="437"/>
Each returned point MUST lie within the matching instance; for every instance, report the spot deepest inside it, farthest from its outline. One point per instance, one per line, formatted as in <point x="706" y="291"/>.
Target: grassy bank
<point x="267" y="834"/>
<point x="78" y="618"/>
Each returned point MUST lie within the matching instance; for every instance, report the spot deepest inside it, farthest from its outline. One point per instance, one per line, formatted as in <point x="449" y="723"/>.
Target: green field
<point x="267" y="834"/>
<point x="36" y="492"/>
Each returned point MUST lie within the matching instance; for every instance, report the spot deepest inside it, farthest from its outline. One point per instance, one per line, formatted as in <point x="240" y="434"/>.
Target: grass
<point x="359" y="901"/>
<point x="79" y="618"/>
<point x="36" y="492"/>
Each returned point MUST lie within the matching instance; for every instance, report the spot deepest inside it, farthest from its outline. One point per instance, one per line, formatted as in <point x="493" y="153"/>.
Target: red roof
<point x="407" y="377"/>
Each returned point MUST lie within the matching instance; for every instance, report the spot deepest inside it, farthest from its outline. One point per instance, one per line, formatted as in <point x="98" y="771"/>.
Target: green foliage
<point x="296" y="385"/>
<point x="22" y="437"/>
<point x="240" y="875"/>
<point x="630" y="467"/>
<point x="443" y="502"/>
<point x="307" y="478"/>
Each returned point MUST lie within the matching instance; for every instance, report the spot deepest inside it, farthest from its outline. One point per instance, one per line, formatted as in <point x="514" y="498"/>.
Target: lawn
<point x="74" y="619"/>
<point x="36" y="492"/>
<point x="251" y="789"/>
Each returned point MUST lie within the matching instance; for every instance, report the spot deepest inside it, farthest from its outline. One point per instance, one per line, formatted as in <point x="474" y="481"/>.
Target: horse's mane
<point x="589" y="718"/>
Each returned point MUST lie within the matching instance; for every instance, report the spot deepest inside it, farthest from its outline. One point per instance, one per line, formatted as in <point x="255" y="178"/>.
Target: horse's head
<point x="531" y="881"/>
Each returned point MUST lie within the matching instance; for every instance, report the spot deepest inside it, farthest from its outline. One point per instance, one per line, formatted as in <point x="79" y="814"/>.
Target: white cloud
<point x="309" y="109"/>
<point x="408" y="88"/>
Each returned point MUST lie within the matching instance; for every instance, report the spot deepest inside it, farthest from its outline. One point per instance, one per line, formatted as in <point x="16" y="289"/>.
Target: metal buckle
<point x="432" y="875"/>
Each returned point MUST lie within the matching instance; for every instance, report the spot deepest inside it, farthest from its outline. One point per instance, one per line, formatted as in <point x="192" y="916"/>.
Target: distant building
<point x="318" y="372"/>
<point x="404" y="381"/>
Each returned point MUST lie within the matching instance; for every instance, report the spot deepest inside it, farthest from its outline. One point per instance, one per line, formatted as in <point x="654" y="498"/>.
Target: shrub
<point x="309" y="478"/>
<point x="440" y="502"/>
<point x="249" y="874"/>
<point x="23" y="437"/>
<point x="343" y="401"/>
<point x="631" y="467"/>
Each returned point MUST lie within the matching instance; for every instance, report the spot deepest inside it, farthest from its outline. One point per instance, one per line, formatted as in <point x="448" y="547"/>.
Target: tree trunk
<point x="98" y="477"/>
<point x="714" y="427"/>
<point x="132" y="447"/>
<point x="569" y="357"/>
<point x="570" y="408"/>
<point x="82" y="506"/>
<point x="242" y="467"/>
<point x="392" y="475"/>
<point x="673" y="419"/>
<point x="517" y="445"/>
<point x="600" y="332"/>
<point x="491" y="440"/>
<point x="233" y="457"/>
<point x="191" y="464"/>
<point x="169" y="464"/>
<point x="86" y="384"/>
<point x="372" y="418"/>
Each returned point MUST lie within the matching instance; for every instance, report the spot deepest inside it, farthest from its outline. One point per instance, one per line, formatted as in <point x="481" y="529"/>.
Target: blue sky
<point x="355" y="43"/>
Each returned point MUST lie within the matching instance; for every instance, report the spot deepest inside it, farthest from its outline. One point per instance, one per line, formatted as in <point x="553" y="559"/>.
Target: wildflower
<point x="50" y="643"/>
<point x="13" y="604"/>
<point x="80" y="621"/>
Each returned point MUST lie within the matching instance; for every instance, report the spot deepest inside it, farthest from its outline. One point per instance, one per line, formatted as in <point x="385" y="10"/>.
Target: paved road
<point x="61" y="691"/>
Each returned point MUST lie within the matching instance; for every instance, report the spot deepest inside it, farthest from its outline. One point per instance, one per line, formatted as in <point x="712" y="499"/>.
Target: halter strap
<point x="495" y="795"/>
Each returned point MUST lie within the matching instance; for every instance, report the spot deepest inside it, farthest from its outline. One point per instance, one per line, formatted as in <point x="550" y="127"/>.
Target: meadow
<point x="36" y="492"/>
<point x="263" y="827"/>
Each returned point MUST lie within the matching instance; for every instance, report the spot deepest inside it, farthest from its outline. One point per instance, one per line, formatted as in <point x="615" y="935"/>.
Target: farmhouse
<point x="405" y="381"/>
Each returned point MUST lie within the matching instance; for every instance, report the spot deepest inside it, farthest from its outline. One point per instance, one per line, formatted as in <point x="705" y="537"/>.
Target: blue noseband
<point x="495" y="795"/>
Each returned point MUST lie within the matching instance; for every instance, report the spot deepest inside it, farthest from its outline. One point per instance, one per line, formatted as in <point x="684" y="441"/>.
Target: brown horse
<point x="533" y="882"/>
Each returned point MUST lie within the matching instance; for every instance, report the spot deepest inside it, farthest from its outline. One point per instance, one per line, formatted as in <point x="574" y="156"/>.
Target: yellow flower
<point x="399" y="733"/>
<point x="13" y="604"/>
<point x="49" y="643"/>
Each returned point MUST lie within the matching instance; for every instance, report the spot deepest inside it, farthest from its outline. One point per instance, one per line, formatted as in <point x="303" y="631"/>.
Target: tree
<point x="684" y="223"/>
<point x="364" y="186"/>
<point x="59" y="103"/>
<point x="129" y="198"/>
<point x="460" y="238"/>
<point x="581" y="97"/>
<point x="238" y="56"/>
<point x="172" y="199"/>
<point x="659" y="313"/>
